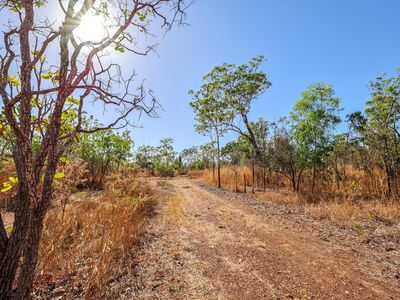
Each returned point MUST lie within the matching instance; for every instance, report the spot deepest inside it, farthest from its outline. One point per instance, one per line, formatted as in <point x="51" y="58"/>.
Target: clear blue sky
<point x="345" y="43"/>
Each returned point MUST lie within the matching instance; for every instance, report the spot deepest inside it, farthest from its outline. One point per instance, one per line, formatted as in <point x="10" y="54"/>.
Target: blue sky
<point x="344" y="43"/>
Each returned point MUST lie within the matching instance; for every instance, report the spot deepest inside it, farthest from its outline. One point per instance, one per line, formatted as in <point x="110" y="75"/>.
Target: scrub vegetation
<point x="303" y="207"/>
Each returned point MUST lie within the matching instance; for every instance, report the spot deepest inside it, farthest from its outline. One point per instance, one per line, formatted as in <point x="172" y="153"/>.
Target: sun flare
<point x="91" y="28"/>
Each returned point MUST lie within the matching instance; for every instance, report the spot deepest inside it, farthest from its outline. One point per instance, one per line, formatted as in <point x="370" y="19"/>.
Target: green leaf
<point x="46" y="76"/>
<point x="59" y="175"/>
<point x="119" y="48"/>
<point x="64" y="159"/>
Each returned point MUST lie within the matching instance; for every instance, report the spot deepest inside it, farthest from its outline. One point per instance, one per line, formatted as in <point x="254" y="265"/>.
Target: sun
<point x="92" y="28"/>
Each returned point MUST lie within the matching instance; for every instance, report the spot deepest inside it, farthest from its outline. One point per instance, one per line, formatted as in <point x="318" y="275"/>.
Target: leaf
<point x="7" y="187"/>
<point x="59" y="175"/>
<point x="72" y="100"/>
<point x="13" y="180"/>
<point x="119" y="48"/>
<point x="46" y="76"/>
<point x="64" y="159"/>
<point x="10" y="229"/>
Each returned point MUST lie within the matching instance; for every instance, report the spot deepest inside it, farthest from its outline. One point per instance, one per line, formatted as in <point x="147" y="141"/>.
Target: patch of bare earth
<point x="210" y="244"/>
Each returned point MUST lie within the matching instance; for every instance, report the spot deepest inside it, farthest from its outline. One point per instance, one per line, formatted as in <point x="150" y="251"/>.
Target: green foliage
<point x="103" y="151"/>
<point x="378" y="130"/>
<point x="315" y="117"/>
<point x="196" y="157"/>
<point x="163" y="157"/>
<point x="237" y="152"/>
<point x="225" y="97"/>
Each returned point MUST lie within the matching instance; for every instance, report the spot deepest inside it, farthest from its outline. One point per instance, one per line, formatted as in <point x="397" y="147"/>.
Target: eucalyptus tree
<point x="261" y="131"/>
<point x="212" y="114"/>
<point x="192" y="157"/>
<point x="381" y="131"/>
<point x="145" y="154"/>
<point x="283" y="153"/>
<point x="43" y="64"/>
<point x="206" y="153"/>
<point x="165" y="153"/>
<point x="238" y="86"/>
<point x="357" y="138"/>
<point x="315" y="117"/>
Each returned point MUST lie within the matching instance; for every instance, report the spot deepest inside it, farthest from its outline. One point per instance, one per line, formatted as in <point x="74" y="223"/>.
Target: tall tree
<point x="238" y="86"/>
<point x="46" y="69"/>
<point x="283" y="150"/>
<point x="381" y="132"/>
<point x="315" y="117"/>
<point x="211" y="115"/>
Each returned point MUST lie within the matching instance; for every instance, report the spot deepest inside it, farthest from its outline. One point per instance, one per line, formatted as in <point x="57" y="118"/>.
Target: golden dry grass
<point x="340" y="213"/>
<point x="194" y="174"/>
<point x="91" y="244"/>
<point x="359" y="197"/>
<point x="175" y="209"/>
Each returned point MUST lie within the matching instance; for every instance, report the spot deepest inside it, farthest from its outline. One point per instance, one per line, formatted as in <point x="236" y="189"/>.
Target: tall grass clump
<point x="90" y="245"/>
<point x="357" y="197"/>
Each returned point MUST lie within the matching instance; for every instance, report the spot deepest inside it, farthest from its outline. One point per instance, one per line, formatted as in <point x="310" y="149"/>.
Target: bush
<point x="164" y="170"/>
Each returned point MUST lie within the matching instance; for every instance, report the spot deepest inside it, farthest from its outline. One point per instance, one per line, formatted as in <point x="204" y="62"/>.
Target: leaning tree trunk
<point x="15" y="247"/>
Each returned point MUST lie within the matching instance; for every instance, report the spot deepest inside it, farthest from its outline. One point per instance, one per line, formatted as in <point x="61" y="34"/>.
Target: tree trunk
<point x="219" y="176"/>
<point x="251" y="137"/>
<point x="236" y="180"/>
<point x="313" y="181"/>
<point x="213" y="171"/>
<point x="103" y="173"/>
<point x="25" y="281"/>
<point x="293" y="180"/>
<point x="3" y="238"/>
<point x="388" y="180"/>
<point x="298" y="182"/>
<point x="244" y="183"/>
<point x="254" y="177"/>
<point x="264" y="180"/>
<point x="218" y="160"/>
<point x="17" y="242"/>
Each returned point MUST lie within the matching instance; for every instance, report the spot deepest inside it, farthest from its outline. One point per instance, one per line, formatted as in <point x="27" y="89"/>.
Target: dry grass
<point x="194" y="174"/>
<point x="90" y="246"/>
<point x="359" y="197"/>
<point x="280" y="196"/>
<point x="175" y="209"/>
<point x="341" y="213"/>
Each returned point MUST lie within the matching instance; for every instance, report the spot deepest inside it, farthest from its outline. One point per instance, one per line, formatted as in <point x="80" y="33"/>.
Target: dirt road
<point x="210" y="244"/>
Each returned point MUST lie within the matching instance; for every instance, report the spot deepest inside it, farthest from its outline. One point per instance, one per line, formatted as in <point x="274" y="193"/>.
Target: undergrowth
<point x="359" y="198"/>
<point x="90" y="245"/>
